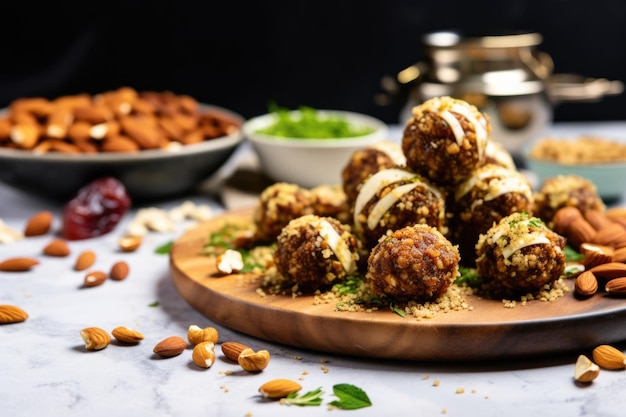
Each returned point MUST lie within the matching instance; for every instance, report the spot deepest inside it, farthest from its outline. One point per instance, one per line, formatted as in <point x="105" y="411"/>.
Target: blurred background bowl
<point x="609" y="177"/>
<point x="148" y="175"/>
<point x="310" y="162"/>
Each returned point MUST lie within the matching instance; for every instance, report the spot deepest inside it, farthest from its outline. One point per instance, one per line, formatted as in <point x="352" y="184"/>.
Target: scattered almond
<point x="616" y="286"/>
<point x="119" y="271"/>
<point x="129" y="243"/>
<point x="94" y="279"/>
<point x="57" y="247"/>
<point x="232" y="350"/>
<point x="95" y="338"/>
<point x="18" y="264"/>
<point x="609" y="357"/>
<point x="609" y="270"/>
<point x="39" y="224"/>
<point x="586" y="284"/>
<point x="595" y="254"/>
<point x="11" y="314"/>
<point x="585" y="370"/>
<point x="171" y="346"/>
<point x="85" y="260"/>
<point x="196" y="335"/>
<point x="231" y="261"/>
<point x="279" y="388"/>
<point x="203" y="354"/>
<point x="127" y="335"/>
<point x="252" y="361"/>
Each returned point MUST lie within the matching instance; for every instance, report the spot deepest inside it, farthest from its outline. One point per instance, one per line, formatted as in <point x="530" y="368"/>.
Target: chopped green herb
<point x="398" y="310"/>
<point x="154" y="304"/>
<point x="350" y="285"/>
<point x="350" y="397"/>
<point x="310" y="398"/>
<point x="572" y="255"/>
<point x="536" y="222"/>
<point x="468" y="277"/>
<point x="164" y="249"/>
<point x="308" y="123"/>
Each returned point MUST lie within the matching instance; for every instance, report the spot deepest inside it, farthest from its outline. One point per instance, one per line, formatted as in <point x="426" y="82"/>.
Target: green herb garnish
<point x="468" y="277"/>
<point x="350" y="397"/>
<point x="572" y="255"/>
<point x="154" y="304"/>
<point x="164" y="249"/>
<point x="308" y="123"/>
<point x="398" y="310"/>
<point x="310" y="398"/>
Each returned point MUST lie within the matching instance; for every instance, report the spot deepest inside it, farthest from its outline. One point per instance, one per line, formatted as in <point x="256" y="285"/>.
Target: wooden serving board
<point x="488" y="331"/>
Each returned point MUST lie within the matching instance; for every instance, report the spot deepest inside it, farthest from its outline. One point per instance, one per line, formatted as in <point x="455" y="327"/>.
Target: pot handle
<point x="573" y="87"/>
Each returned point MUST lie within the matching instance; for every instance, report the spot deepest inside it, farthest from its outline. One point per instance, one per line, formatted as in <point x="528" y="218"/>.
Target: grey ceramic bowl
<point x="147" y="174"/>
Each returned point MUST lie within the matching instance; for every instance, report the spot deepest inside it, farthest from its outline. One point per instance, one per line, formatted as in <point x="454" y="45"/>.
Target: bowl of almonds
<point x="158" y="144"/>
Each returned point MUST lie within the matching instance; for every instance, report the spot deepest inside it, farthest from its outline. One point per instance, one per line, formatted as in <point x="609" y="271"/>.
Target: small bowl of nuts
<point x="158" y="144"/>
<point x="601" y="160"/>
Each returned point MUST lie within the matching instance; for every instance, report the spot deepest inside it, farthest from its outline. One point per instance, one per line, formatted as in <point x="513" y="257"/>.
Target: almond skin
<point x="39" y="224"/>
<point x="94" y="279"/>
<point x="279" y="388"/>
<point x="11" y="314"/>
<point x="609" y="357"/>
<point x="85" y="260"/>
<point x="119" y="271"/>
<point x="616" y="286"/>
<point x="232" y="350"/>
<point x="127" y="335"/>
<point x="57" y="247"/>
<point x="18" y="264"/>
<point x="171" y="346"/>
<point x="586" y="284"/>
<point x="609" y="270"/>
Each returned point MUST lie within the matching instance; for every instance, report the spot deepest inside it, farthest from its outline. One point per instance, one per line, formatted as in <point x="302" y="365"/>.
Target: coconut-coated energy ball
<point x="566" y="191"/>
<point x="415" y="263"/>
<point x="278" y="205"/>
<point x="393" y="198"/>
<point x="445" y="139"/>
<point x="367" y="161"/>
<point x="520" y="253"/>
<point x="316" y="252"/>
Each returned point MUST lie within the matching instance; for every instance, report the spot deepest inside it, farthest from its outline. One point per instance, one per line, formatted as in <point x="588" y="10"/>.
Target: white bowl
<point x="310" y="162"/>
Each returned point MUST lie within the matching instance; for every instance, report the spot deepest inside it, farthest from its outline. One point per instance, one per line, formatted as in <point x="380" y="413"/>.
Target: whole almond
<point x="609" y="357"/>
<point x="11" y="314"/>
<point x="171" y="346"/>
<point x="95" y="338"/>
<point x="127" y="335"/>
<point x="119" y="271"/>
<point x="619" y="255"/>
<point x="232" y="350"/>
<point x="609" y="270"/>
<point x="85" y="260"/>
<point x="598" y="219"/>
<point x="279" y="388"/>
<point x="38" y="224"/>
<point x="18" y="264"/>
<point x="564" y="217"/>
<point x="616" y="286"/>
<point x="595" y="254"/>
<point x="586" y="284"/>
<point x="611" y="235"/>
<point x="57" y="247"/>
<point x="94" y="279"/>
<point x="580" y="231"/>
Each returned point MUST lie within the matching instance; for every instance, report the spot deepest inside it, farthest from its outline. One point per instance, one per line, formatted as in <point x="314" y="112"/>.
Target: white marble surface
<point x="45" y="369"/>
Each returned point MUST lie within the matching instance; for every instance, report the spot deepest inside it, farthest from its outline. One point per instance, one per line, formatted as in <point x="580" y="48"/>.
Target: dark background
<point x="325" y="54"/>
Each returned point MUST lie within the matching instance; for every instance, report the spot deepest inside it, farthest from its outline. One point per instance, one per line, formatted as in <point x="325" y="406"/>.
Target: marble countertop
<point x="46" y="370"/>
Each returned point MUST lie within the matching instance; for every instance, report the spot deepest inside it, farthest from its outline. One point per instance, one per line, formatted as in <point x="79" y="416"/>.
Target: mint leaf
<point x="398" y="310"/>
<point x="350" y="397"/>
<point x="310" y="398"/>
<point x="164" y="249"/>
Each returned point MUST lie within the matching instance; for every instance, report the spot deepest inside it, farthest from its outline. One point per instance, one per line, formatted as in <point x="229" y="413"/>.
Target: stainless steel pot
<point x="504" y="75"/>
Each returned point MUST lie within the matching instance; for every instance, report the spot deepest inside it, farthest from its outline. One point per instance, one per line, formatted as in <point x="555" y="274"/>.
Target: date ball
<point x="415" y="263"/>
<point x="490" y="193"/>
<point x="445" y="139"/>
<point x="394" y="198"/>
<point x="316" y="252"/>
<point x="566" y="191"/>
<point x="278" y="205"/>
<point x="520" y="253"/>
<point x="367" y="161"/>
